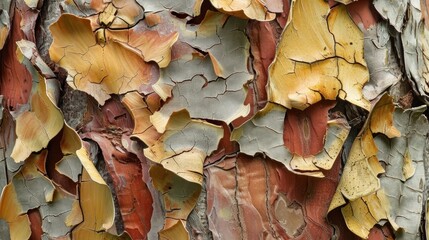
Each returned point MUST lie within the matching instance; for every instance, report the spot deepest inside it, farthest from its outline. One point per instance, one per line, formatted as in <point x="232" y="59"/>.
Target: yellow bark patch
<point x="360" y="172"/>
<point x="252" y="9"/>
<point x="95" y="69"/>
<point x="35" y="128"/>
<point x="97" y="209"/>
<point x="176" y="231"/>
<point x="140" y="112"/>
<point x="150" y="45"/>
<point x="320" y="56"/>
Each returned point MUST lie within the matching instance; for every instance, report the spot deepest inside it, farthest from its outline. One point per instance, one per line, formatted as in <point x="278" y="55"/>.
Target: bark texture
<point x="214" y="119"/>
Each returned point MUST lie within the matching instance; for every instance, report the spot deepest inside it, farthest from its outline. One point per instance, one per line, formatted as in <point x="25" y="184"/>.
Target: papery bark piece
<point x="224" y="39"/>
<point x="82" y="7"/>
<point x="367" y="199"/>
<point x="323" y="69"/>
<point x="150" y="45"/>
<point x="176" y="231"/>
<point x="112" y="14"/>
<point x="97" y="209"/>
<point x="200" y="92"/>
<point x="27" y="53"/>
<point x="54" y="215"/>
<point x="415" y="44"/>
<point x="393" y="11"/>
<point x="140" y="112"/>
<point x="403" y="181"/>
<point x="179" y="153"/>
<point x="180" y="194"/>
<point x="383" y="66"/>
<point x="363" y="155"/>
<point x="252" y="9"/>
<point x="183" y="135"/>
<point x="35" y="128"/>
<point x="92" y="68"/>
<point x="119" y="14"/>
<point x="69" y="166"/>
<point x="194" y="81"/>
<point x="264" y="134"/>
<point x="28" y="189"/>
<point x="132" y="193"/>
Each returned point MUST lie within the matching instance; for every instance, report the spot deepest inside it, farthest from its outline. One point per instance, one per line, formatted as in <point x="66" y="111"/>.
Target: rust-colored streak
<point x="110" y="129"/>
<point x="262" y="37"/>
<point x="363" y="13"/>
<point x="15" y="80"/>
<point x="250" y="197"/>
<point x="134" y="198"/>
<point x="36" y="224"/>
<point x="304" y="131"/>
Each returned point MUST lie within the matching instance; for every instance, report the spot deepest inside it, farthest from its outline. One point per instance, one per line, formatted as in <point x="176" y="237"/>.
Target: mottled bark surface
<point x="214" y="119"/>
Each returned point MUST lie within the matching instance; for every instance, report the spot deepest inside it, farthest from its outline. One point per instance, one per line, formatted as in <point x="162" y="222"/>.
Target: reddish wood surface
<point x="15" y="80"/>
<point x="110" y="127"/>
<point x="36" y="224"/>
<point x="304" y="131"/>
<point x="246" y="194"/>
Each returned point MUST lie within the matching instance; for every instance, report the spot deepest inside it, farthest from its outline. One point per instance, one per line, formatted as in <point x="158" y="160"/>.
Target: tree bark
<point x="211" y="119"/>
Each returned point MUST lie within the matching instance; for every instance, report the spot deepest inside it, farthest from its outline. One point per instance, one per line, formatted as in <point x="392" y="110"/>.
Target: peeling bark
<point x="215" y="119"/>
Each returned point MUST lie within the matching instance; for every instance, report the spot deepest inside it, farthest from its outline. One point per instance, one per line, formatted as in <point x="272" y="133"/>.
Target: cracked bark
<point x="213" y="119"/>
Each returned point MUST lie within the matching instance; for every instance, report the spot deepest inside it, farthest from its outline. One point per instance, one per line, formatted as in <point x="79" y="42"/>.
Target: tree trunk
<point x="213" y="119"/>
